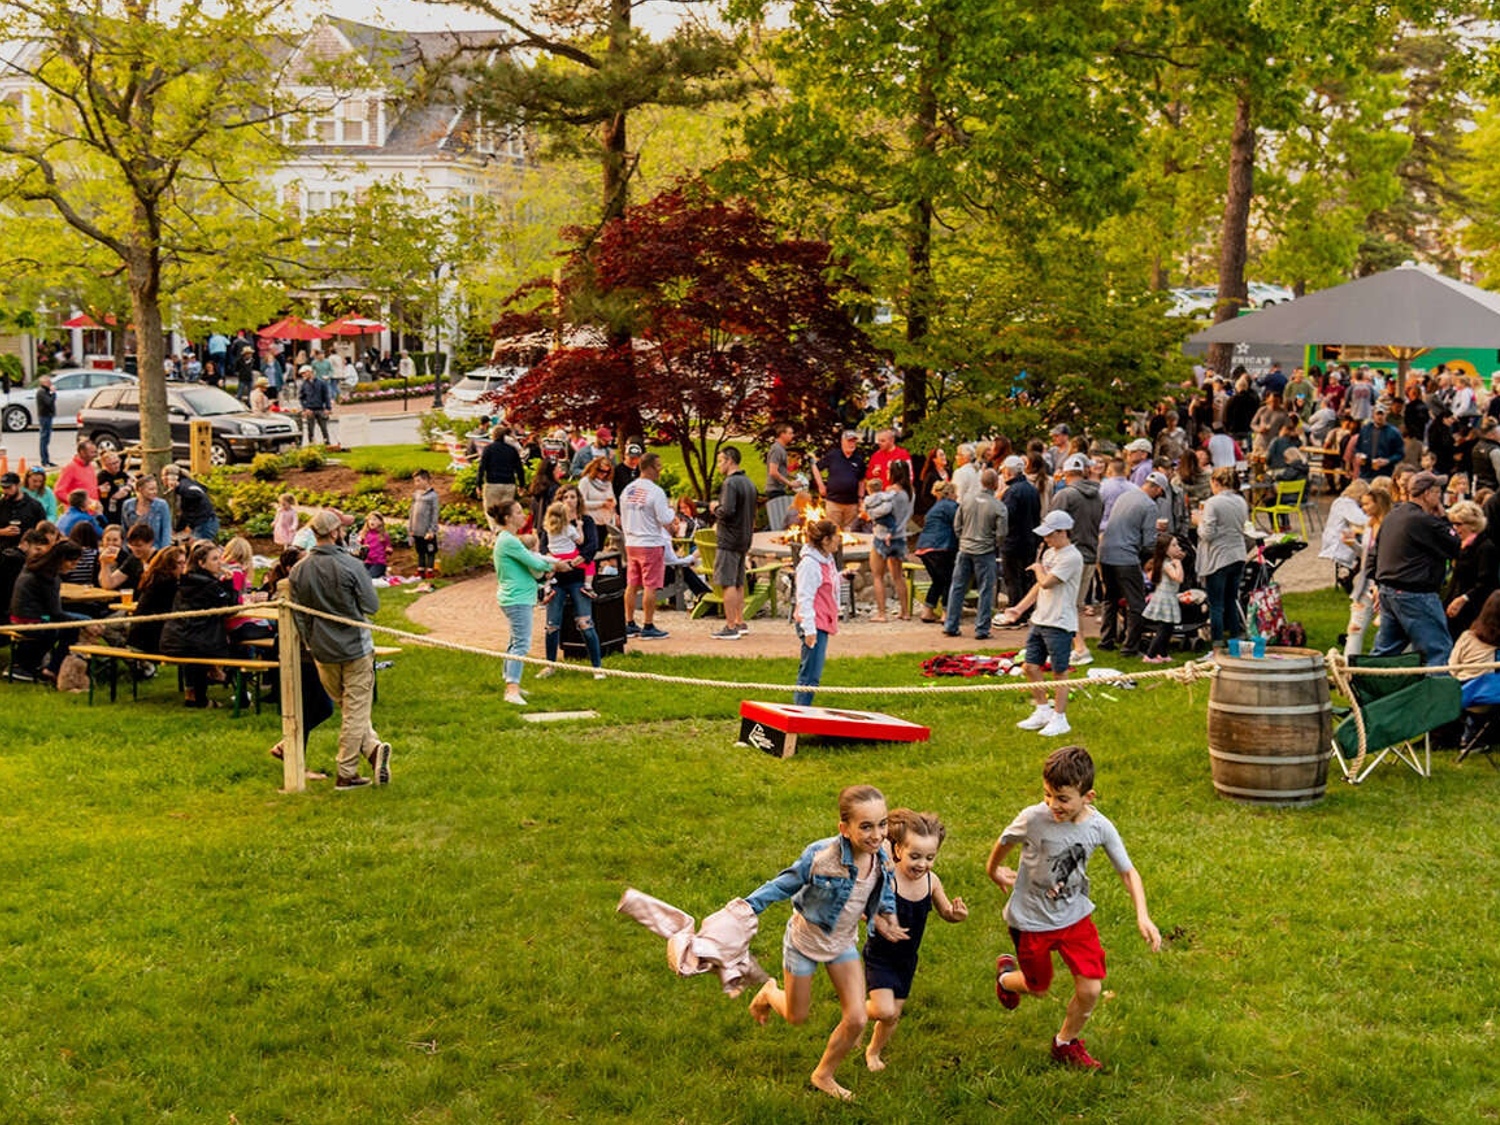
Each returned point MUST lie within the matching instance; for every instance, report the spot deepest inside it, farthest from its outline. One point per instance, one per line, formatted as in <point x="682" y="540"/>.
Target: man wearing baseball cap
<point x="333" y="581"/>
<point x="1054" y="624"/>
<point x="1138" y="460"/>
<point x="1411" y="554"/>
<point x="603" y="436"/>
<point x="1379" y="447"/>
<point x="1079" y="498"/>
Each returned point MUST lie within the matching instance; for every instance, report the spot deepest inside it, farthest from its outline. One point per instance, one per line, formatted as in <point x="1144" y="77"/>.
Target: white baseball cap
<point x="1054" y="521"/>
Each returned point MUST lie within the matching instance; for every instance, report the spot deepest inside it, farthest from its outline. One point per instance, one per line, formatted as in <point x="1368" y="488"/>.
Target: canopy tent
<point x="1406" y="311"/>
<point x="292" y="328"/>
<point x="83" y="320"/>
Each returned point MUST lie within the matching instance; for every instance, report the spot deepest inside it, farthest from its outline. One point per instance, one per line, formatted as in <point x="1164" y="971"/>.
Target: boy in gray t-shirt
<point x="1049" y="906"/>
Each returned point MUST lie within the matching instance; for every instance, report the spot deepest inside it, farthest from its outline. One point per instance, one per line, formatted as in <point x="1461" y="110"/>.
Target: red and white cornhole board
<point x="774" y="727"/>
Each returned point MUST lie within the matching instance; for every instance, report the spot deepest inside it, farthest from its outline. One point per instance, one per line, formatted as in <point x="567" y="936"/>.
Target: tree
<point x="732" y="329"/>
<point x="141" y="136"/>
<point x="580" y="69"/>
<point x="907" y="134"/>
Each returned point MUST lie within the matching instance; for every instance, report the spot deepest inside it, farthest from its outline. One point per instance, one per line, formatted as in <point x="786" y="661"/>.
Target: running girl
<point x="833" y="882"/>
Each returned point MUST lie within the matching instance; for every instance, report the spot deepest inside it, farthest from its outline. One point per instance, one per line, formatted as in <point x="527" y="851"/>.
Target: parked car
<point x="112" y="420"/>
<point x="467" y="397"/>
<point x="1263" y="296"/>
<point x="1193" y="302"/>
<point x="73" y="387"/>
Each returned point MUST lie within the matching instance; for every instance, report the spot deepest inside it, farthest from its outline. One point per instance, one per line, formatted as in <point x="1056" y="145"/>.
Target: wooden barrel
<point x="1270" y="728"/>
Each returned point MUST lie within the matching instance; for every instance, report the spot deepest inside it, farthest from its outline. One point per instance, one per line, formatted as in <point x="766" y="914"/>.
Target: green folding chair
<point x="1400" y="713"/>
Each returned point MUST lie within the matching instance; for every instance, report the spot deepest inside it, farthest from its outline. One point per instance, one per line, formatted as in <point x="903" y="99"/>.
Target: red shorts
<point x="1078" y="946"/>
<point x="646" y="567"/>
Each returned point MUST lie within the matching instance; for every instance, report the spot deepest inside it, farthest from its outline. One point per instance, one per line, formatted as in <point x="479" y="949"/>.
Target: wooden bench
<point x="238" y="665"/>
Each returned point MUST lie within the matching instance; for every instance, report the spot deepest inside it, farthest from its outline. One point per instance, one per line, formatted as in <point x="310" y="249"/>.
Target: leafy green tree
<point x="142" y="132"/>
<point x="910" y="135"/>
<point x="578" y="71"/>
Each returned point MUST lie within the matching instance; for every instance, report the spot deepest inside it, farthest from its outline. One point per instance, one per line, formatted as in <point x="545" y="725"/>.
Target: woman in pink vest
<point x="817" y="605"/>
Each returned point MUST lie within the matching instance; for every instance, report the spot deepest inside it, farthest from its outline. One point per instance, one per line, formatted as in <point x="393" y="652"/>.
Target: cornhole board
<point x="774" y="727"/>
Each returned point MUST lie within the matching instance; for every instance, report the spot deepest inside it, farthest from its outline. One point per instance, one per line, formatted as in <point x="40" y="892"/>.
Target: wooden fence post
<point x="293" y="767"/>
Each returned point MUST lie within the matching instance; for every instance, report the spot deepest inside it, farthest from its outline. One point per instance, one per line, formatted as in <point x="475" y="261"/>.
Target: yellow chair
<point x="1287" y="502"/>
<point x="757" y="594"/>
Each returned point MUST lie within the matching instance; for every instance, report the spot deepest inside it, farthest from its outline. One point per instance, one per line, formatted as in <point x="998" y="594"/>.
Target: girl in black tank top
<point x="890" y="965"/>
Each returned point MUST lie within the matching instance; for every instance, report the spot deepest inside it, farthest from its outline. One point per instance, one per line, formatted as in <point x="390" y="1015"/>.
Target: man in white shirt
<point x="646" y="520"/>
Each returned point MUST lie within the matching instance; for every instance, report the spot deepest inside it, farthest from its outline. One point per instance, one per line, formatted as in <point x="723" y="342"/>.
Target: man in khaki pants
<point x="332" y="580"/>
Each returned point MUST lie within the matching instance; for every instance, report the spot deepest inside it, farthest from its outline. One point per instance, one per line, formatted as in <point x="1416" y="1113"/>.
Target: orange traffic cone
<point x="21" y="470"/>
<point x="4" y="463"/>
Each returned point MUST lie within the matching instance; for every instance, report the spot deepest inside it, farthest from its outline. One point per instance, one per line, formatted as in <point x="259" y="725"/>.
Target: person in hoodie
<point x="1079" y="497"/>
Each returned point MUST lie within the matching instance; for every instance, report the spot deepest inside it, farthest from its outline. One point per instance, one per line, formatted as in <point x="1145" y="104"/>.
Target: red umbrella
<point x="82" y="320"/>
<point x="293" y="328"/>
<point x="354" y="326"/>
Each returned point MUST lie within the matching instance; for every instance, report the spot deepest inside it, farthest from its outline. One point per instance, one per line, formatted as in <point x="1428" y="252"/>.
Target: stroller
<point x="1260" y="596"/>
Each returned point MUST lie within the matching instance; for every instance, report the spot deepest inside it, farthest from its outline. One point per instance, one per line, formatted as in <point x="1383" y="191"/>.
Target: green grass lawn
<point x="179" y="942"/>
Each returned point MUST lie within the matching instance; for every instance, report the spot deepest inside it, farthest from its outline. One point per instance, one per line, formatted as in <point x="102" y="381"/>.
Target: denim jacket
<point x="821" y="880"/>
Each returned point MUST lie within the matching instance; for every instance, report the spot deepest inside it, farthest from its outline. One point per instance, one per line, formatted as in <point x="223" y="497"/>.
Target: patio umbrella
<point x="354" y="326"/>
<point x="1406" y="311"/>
<point x="292" y="328"/>
<point x="82" y="320"/>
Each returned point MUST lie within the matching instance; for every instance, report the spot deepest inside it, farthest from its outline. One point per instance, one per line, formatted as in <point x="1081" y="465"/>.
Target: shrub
<point x="460" y="512"/>
<point x="401" y="472"/>
<point x="466" y="481"/>
<point x="266" y="466"/>
<point x="462" y="547"/>
<point x="260" y="525"/>
<point x="432" y="423"/>
<point x="367" y="486"/>
<point x="311" y="458"/>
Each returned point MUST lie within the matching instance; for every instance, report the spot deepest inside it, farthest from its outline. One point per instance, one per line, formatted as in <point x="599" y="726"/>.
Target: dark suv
<point x="112" y="420"/>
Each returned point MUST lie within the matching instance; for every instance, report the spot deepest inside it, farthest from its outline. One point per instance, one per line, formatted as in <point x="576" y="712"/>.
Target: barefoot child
<point x="1049" y="906"/>
<point x="832" y="884"/>
<point x="889" y="966"/>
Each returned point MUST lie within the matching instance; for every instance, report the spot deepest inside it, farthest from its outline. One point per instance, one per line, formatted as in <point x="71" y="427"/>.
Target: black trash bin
<point x="609" y="614"/>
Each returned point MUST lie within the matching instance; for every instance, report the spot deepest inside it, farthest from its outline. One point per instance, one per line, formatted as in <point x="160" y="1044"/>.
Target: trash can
<point x="609" y="612"/>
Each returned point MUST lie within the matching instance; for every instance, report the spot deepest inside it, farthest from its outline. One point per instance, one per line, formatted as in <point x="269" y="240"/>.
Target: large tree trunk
<point x="1234" y="234"/>
<point x="919" y="254"/>
<point x="144" y="278"/>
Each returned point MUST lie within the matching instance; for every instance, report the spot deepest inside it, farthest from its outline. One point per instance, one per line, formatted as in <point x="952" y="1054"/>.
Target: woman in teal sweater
<point x="516" y="571"/>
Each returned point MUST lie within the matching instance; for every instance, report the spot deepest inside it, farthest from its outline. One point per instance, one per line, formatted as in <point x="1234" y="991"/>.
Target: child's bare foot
<point x="548" y="594"/>
<point x="588" y="591"/>
<point x="874" y="1061"/>
<point x="760" y="1004"/>
<point x="830" y="1087"/>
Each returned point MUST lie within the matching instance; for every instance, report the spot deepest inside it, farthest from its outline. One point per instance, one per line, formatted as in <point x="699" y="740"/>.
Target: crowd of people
<point x="99" y="549"/>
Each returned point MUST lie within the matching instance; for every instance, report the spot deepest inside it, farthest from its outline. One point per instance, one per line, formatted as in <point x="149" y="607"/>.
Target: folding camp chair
<point x="1481" y="730"/>
<point x="1399" y="712"/>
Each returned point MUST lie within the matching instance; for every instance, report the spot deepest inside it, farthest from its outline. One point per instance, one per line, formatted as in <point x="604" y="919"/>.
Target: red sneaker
<point x="1073" y="1054"/>
<point x="1005" y="963"/>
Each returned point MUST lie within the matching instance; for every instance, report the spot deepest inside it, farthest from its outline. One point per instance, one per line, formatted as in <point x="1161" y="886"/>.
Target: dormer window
<point x="342" y="121"/>
<point x="500" y="140"/>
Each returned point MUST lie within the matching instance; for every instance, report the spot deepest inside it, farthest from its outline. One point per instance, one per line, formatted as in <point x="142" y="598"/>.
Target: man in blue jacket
<point x="1379" y="447"/>
<point x="315" y="400"/>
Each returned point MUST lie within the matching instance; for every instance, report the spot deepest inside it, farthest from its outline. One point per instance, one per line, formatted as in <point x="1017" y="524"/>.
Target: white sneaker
<point x="599" y="675"/>
<point x="546" y="672"/>
<point x="1058" y="725"/>
<point x="1079" y="659"/>
<point x="1038" y="719"/>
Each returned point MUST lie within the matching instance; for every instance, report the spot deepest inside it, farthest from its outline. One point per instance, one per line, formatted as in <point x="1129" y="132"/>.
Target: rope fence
<point x="1339" y="669"/>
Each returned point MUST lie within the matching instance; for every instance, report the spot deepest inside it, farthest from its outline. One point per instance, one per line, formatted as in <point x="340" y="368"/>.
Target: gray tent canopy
<point x="1406" y="311"/>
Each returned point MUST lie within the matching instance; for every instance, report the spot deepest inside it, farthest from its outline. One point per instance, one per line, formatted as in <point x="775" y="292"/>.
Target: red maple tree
<point x="713" y="327"/>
